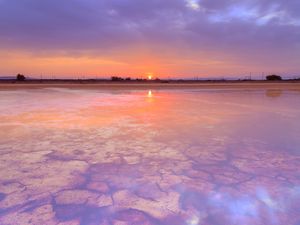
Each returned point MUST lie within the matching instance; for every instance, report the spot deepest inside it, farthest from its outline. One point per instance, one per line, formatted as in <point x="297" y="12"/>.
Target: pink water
<point x="209" y="157"/>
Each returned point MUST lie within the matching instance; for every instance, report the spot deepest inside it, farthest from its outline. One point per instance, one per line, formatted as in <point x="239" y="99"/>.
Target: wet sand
<point x="289" y="85"/>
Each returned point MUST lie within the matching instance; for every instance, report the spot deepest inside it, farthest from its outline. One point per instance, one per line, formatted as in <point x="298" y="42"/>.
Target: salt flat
<point x="150" y="154"/>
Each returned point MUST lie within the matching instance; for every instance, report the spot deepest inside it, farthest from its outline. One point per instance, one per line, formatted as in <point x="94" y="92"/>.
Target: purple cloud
<point x="249" y="31"/>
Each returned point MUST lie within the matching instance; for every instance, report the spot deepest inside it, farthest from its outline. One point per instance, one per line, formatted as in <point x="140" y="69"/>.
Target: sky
<point x="169" y="38"/>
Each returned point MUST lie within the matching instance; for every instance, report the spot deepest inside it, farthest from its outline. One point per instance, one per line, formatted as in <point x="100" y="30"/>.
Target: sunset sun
<point x="150" y="76"/>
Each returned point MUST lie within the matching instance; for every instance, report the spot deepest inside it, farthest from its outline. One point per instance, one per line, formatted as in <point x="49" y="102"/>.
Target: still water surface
<point x="131" y="157"/>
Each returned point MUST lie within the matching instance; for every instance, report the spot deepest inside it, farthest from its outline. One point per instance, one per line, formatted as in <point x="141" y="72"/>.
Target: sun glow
<point x="150" y="76"/>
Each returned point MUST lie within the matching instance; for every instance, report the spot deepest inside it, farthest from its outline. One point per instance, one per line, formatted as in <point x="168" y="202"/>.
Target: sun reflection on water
<point x="150" y="94"/>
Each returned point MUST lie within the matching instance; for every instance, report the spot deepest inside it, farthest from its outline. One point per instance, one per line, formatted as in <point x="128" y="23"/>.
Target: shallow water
<point x="133" y="157"/>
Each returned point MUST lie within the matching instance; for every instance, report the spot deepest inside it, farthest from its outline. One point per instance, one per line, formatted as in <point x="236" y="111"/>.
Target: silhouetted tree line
<point x="273" y="77"/>
<point x="20" y="77"/>
<point x="117" y="78"/>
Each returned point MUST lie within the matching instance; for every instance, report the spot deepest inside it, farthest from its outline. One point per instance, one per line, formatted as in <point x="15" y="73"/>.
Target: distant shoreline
<point x="287" y="84"/>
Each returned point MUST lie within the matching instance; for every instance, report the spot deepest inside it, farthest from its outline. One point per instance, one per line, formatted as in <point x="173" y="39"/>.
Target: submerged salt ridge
<point x="149" y="157"/>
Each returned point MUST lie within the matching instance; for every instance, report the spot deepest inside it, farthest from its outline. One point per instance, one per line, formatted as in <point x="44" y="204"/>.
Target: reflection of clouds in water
<point x="125" y="157"/>
<point x="2" y="196"/>
<point x="225" y="208"/>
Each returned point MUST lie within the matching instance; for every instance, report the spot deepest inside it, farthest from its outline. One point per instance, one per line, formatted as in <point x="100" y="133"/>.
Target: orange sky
<point x="126" y="64"/>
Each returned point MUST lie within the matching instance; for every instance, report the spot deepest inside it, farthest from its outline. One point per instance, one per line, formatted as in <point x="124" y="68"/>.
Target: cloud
<point x="248" y="32"/>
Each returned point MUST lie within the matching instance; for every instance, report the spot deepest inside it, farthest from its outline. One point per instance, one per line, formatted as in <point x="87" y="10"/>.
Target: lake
<point x="149" y="156"/>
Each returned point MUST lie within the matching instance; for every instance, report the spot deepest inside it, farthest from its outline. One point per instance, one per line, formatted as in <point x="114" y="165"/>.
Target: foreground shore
<point x="291" y="85"/>
<point x="150" y="156"/>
